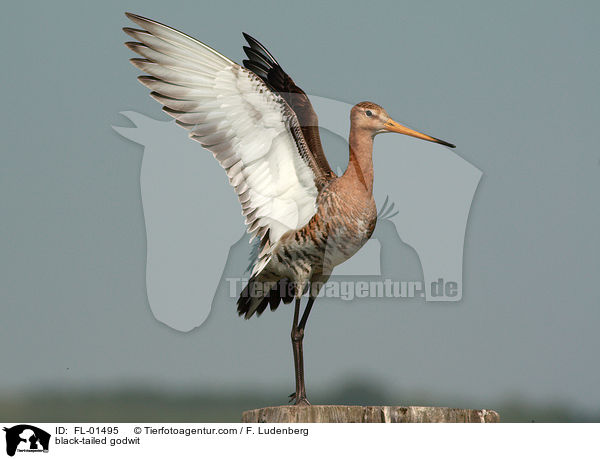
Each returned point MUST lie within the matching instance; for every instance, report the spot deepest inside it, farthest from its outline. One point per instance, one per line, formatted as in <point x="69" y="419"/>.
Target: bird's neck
<point x="360" y="164"/>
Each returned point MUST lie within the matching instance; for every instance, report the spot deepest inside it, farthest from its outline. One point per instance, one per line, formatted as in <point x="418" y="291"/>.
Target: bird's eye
<point x="369" y="113"/>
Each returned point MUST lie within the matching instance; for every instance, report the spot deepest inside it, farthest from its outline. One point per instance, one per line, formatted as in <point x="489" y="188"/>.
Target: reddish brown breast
<point x="349" y="218"/>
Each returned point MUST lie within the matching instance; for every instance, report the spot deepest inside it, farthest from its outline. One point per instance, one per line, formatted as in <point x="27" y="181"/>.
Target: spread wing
<point x="250" y="130"/>
<point x="263" y="64"/>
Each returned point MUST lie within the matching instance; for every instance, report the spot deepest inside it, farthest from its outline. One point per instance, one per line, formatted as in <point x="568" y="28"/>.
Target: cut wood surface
<point x="355" y="414"/>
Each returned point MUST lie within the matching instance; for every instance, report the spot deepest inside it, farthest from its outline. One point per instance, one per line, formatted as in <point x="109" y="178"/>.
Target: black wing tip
<point x="250" y="65"/>
<point x="258" y="47"/>
<point x="249" y="38"/>
<point x="247" y="50"/>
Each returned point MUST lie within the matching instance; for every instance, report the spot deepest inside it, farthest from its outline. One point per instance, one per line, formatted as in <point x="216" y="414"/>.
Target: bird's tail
<point x="258" y="294"/>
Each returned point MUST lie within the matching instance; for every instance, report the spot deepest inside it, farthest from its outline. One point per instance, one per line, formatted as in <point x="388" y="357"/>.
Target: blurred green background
<point x="134" y="405"/>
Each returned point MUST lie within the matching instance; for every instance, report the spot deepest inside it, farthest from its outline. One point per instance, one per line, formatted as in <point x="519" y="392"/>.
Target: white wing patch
<point x="251" y="131"/>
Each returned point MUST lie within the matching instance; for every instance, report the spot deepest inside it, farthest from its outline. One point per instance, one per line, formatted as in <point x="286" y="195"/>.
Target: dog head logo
<point x="183" y="188"/>
<point x="24" y="437"/>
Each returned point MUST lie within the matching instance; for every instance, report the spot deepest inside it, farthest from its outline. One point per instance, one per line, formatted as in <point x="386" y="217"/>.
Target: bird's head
<point x="374" y="119"/>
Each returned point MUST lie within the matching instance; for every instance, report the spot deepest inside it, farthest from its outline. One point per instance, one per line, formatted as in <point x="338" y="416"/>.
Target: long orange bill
<point x="392" y="126"/>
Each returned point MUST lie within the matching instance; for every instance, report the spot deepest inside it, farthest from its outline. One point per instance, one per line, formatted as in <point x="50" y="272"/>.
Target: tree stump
<point x="356" y="414"/>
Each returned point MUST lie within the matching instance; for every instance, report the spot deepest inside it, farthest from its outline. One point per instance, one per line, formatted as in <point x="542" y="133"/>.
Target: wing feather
<point x="262" y="62"/>
<point x="250" y="130"/>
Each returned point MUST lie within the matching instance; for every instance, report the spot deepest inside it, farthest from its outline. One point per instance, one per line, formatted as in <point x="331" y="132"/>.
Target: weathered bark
<point x="354" y="414"/>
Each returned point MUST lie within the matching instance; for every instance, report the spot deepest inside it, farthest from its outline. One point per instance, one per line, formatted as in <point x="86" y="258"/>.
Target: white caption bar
<point x="141" y="440"/>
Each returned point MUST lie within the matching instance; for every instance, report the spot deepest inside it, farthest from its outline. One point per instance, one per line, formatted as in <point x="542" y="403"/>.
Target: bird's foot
<point x="298" y="400"/>
<point x="303" y="401"/>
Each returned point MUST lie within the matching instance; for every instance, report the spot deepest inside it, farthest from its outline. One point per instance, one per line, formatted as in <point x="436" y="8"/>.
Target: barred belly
<point x="327" y="240"/>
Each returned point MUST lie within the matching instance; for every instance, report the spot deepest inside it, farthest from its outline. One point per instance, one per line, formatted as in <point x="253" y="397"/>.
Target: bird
<point x="262" y="129"/>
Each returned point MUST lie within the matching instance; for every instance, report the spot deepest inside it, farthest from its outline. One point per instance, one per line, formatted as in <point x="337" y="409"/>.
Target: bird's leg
<point x="298" y="358"/>
<point x="309" y="305"/>
<point x="299" y="397"/>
